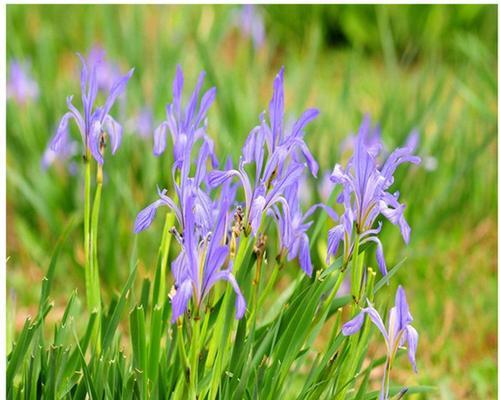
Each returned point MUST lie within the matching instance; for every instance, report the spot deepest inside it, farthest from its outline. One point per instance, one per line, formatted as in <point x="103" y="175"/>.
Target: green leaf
<point x="115" y="318"/>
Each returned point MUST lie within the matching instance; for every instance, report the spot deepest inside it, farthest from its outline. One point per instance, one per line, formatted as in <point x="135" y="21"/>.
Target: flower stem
<point x="194" y="355"/>
<point x="357" y="272"/>
<point x="95" y="296"/>
<point x="384" y="391"/>
<point x="223" y="324"/>
<point x="160" y="289"/>
<point x="86" y="228"/>
<point x="184" y="359"/>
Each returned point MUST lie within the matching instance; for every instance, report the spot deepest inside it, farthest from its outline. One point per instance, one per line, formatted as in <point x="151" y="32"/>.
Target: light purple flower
<point x="185" y="125"/>
<point x="398" y="333"/>
<point x="282" y="167"/>
<point x="365" y="196"/>
<point x="21" y="87"/>
<point x="200" y="264"/>
<point x="251" y="24"/>
<point x="95" y="124"/>
<point x="186" y="130"/>
<point x="293" y="227"/>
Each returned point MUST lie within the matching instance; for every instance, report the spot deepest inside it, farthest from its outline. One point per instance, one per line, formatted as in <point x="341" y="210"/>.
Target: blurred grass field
<point x="433" y="68"/>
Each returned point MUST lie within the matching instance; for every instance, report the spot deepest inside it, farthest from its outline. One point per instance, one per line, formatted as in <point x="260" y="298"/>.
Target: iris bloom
<point x="186" y="130"/>
<point x="398" y="333"/>
<point x="21" y="86"/>
<point x="281" y="168"/>
<point x="200" y="265"/>
<point x="293" y="227"/>
<point x="185" y="125"/>
<point x="95" y="122"/>
<point x="365" y="196"/>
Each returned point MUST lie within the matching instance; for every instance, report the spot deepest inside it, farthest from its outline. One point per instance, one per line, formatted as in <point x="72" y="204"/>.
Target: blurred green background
<point x="433" y="68"/>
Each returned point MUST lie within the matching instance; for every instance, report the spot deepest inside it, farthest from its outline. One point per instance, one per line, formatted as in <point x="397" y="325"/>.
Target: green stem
<point x="194" y="350"/>
<point x="86" y="229"/>
<point x="385" y="380"/>
<point x="182" y="351"/>
<point x="95" y="295"/>
<point x="357" y="272"/>
<point x="218" y="343"/>
<point x="161" y="292"/>
<point x="255" y="294"/>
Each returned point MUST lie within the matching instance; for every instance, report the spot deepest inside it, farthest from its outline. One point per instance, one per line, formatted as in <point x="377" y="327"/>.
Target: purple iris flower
<point x="398" y="333"/>
<point x="95" y="123"/>
<point x="200" y="265"/>
<point x="251" y="24"/>
<point x="186" y="130"/>
<point x="282" y="169"/>
<point x="187" y="187"/>
<point x="186" y="125"/>
<point x="293" y="227"/>
<point x="365" y="196"/>
<point x="21" y="86"/>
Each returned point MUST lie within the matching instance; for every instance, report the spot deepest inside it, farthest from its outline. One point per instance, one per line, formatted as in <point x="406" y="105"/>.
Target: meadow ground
<point x="430" y="68"/>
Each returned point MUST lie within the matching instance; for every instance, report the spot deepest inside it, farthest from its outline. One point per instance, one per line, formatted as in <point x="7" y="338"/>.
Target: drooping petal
<point x="171" y="204"/>
<point x="61" y="135"/>
<point x="78" y="117"/>
<point x="240" y="299"/>
<point x="312" y="164"/>
<point x="397" y="157"/>
<point x="160" y="139"/>
<point x="181" y="299"/>
<point x="305" y="256"/>
<point x="180" y="268"/>
<point x="114" y="131"/>
<point x="95" y="140"/>
<point x="379" y="253"/>
<point x="306" y="117"/>
<point x="375" y="318"/>
<point x="393" y="211"/>
<point x="213" y="263"/>
<point x="335" y="235"/>
<point x="256" y="210"/>
<point x="354" y="325"/>
<point x="146" y="216"/>
<point x="412" y="340"/>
